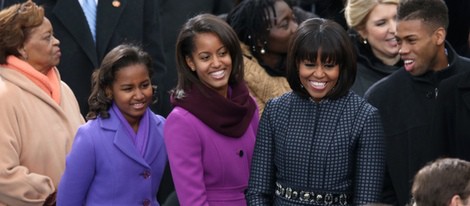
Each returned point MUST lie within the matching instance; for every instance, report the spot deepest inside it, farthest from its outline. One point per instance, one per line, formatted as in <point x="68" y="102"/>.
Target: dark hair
<point x="433" y="12"/>
<point x="251" y="22"/>
<point x="330" y="40"/>
<point x="437" y="182"/>
<point x="16" y="23"/>
<point x="102" y="78"/>
<point x="185" y="46"/>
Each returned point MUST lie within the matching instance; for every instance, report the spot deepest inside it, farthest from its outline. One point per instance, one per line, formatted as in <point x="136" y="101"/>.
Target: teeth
<point x="408" y="61"/>
<point x="317" y="84"/>
<point x="218" y="74"/>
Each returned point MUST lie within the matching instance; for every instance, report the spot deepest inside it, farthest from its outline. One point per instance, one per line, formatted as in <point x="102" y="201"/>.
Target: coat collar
<point x="123" y="142"/>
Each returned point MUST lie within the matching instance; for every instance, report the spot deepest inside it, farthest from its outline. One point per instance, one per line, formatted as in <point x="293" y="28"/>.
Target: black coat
<point x="370" y="69"/>
<point x="406" y="104"/>
<point x="452" y="119"/>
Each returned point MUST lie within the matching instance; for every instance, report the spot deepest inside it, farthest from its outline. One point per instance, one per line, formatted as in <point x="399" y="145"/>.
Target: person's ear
<point x="440" y="35"/>
<point x="23" y="53"/>
<point x="455" y="200"/>
<point x="109" y="93"/>
<point x="190" y="63"/>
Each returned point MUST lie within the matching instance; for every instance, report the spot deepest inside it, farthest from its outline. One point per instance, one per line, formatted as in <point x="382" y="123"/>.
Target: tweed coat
<point x="208" y="168"/>
<point x="105" y="168"/>
<point x="36" y="134"/>
<point x="406" y="105"/>
<point x="261" y="85"/>
<point x="334" y="146"/>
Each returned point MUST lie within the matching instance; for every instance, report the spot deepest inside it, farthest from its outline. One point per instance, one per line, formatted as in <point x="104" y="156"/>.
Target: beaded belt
<point x="312" y="197"/>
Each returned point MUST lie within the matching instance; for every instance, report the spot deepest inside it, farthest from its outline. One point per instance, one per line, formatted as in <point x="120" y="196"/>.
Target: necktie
<point x="89" y="8"/>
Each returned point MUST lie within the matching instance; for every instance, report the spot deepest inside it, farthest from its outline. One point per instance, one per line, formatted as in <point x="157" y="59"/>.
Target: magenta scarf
<point x="140" y="139"/>
<point x="229" y="116"/>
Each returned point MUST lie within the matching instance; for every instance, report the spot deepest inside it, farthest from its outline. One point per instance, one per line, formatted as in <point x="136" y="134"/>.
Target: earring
<point x="364" y="41"/>
<point x="263" y="49"/>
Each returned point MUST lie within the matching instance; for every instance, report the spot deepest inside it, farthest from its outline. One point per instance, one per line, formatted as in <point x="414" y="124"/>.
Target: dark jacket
<point x="406" y="104"/>
<point x="334" y="146"/>
<point x="452" y="119"/>
<point x="370" y="69"/>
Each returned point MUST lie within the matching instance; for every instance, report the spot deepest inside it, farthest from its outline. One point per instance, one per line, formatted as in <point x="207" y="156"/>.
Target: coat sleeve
<point x="370" y="160"/>
<point x="79" y="170"/>
<point x="262" y="179"/>
<point x="184" y="150"/>
<point x="18" y="186"/>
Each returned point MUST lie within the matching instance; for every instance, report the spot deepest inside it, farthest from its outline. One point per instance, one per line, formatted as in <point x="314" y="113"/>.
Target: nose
<point x="139" y="94"/>
<point x="318" y="72"/>
<point x="216" y="62"/>
<point x="403" y="50"/>
<point x="55" y="41"/>
<point x="393" y="27"/>
<point x="294" y="26"/>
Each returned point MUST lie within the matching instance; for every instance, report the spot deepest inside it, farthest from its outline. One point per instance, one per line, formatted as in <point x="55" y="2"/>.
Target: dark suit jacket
<point x="133" y="21"/>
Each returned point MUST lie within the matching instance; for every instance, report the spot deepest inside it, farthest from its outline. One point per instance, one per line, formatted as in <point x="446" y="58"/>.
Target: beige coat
<point x="261" y="85"/>
<point x="35" y="136"/>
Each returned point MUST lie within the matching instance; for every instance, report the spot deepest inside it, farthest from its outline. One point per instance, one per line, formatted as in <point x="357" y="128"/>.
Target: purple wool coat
<point x="208" y="168"/>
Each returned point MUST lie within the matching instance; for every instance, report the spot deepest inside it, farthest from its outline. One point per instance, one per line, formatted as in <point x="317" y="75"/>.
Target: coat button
<point x="146" y="174"/>
<point x="146" y="202"/>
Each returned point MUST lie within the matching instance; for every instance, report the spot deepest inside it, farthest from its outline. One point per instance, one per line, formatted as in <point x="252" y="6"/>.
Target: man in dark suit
<point x="117" y="21"/>
<point x="406" y="99"/>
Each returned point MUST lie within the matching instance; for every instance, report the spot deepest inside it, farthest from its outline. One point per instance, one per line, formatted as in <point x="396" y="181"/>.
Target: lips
<point x="138" y="105"/>
<point x="408" y="63"/>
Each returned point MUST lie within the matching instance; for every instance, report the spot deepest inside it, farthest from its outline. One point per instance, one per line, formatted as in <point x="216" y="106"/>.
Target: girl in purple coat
<point x="118" y="156"/>
<point x="210" y="134"/>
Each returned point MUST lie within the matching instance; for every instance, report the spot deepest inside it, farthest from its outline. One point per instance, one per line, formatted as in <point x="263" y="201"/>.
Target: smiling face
<point x="41" y="49"/>
<point x="380" y="29"/>
<point x="419" y="46"/>
<point x="283" y="26"/>
<point x="132" y="92"/>
<point x="318" y="78"/>
<point x="211" y="61"/>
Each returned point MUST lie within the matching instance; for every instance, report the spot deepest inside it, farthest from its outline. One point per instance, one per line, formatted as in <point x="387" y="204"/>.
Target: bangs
<point x="328" y="50"/>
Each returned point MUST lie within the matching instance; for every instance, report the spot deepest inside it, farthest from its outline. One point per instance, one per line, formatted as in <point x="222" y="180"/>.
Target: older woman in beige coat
<point x="39" y="112"/>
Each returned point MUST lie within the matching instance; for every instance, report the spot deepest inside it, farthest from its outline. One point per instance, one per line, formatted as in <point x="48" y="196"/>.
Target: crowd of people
<point x="234" y="103"/>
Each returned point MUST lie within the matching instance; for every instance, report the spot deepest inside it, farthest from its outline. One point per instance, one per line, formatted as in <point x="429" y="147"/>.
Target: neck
<point x="441" y="61"/>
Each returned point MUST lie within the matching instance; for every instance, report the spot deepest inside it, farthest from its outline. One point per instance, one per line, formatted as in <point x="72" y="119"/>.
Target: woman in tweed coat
<point x="320" y="144"/>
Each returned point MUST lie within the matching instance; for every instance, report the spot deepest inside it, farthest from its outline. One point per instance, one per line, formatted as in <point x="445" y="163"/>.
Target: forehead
<point x="281" y="8"/>
<point x="206" y="40"/>
<point x="411" y="27"/>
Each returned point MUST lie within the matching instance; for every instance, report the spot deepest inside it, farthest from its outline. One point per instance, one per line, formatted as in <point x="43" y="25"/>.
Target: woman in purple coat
<point x="210" y="134"/>
<point x="118" y="156"/>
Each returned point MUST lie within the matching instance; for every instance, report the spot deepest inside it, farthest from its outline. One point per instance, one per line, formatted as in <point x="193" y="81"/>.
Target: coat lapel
<point x="108" y="17"/>
<point x="70" y="13"/>
<point x="152" y="153"/>
<point x="122" y="140"/>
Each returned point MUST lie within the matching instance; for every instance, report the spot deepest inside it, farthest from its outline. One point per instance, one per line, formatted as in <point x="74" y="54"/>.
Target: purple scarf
<point x="140" y="139"/>
<point x="229" y="116"/>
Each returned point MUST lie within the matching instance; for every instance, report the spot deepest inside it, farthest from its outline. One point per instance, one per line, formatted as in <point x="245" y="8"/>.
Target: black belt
<point x="312" y="197"/>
